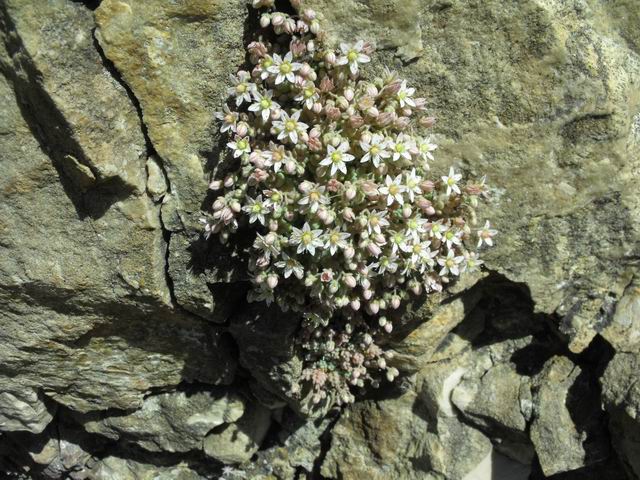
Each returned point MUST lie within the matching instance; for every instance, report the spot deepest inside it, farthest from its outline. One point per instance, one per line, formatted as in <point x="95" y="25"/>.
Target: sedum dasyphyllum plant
<point x="330" y="173"/>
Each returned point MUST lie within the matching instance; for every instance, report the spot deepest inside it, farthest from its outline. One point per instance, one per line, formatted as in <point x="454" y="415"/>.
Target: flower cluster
<point x="331" y="175"/>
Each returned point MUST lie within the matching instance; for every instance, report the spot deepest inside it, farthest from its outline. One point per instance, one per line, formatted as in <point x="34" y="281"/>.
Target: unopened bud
<point x="265" y="20"/>
<point x="272" y="281"/>
<point x="215" y="185"/>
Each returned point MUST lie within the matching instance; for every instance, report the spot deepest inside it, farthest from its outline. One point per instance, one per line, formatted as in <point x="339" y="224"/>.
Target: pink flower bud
<point x="392" y="89"/>
<point x="308" y="14"/>
<point x="421" y="103"/>
<point x="427" y="122"/>
<point x="374" y="249"/>
<point x="326" y="275"/>
<point x="242" y="129"/>
<point x="305" y="187"/>
<point x="215" y="185"/>
<point x="330" y="58"/>
<point x="406" y="111"/>
<point x="342" y="103"/>
<point x="382" y="363"/>
<point x="273" y="226"/>
<point x="367" y="294"/>
<point x="350" y="193"/>
<point x="356" y="121"/>
<point x="305" y="70"/>
<point x="348" y="215"/>
<point x="332" y="113"/>
<point x="406" y="211"/>
<point x="290" y="167"/>
<point x="272" y="281"/>
<point x="302" y="27"/>
<point x="265" y="20"/>
<point x="402" y="123"/>
<point x="219" y="204"/>
<point x="349" y="93"/>
<point x="388" y="328"/>
<point x="355" y="304"/>
<point x="350" y="281"/>
<point x="373" y="307"/>
<point x="229" y="181"/>
<point x="322" y="214"/>
<point x="349" y="252"/>
<point x="416" y="288"/>
<point x="326" y="84"/>
<point x="373" y="112"/>
<point x="262" y="262"/>
<point x="235" y="206"/>
<point x="426" y="186"/>
<point x="366" y="284"/>
<point x="379" y="239"/>
<point x="290" y="26"/>
<point x="296" y="3"/>
<point x="395" y="302"/>
<point x="423" y="203"/>
<point x="315" y="27"/>
<point x="333" y="185"/>
<point x="372" y="91"/>
<point x="386" y="118"/>
<point x="277" y="19"/>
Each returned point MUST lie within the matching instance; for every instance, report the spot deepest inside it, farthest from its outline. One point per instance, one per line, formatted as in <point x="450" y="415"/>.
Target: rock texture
<point x="126" y="348"/>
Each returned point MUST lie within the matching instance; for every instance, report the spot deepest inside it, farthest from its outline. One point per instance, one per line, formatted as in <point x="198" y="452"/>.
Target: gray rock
<point x="621" y="398"/>
<point x="115" y="468"/>
<point x="623" y="333"/>
<point x="88" y="121"/>
<point x="85" y="307"/>
<point x="170" y="422"/>
<point x="22" y="409"/>
<point x="238" y="441"/>
<point x="177" y="58"/>
<point x="563" y="430"/>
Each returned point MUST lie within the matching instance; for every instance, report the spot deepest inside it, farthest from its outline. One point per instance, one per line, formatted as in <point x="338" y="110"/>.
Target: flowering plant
<point x="331" y="174"/>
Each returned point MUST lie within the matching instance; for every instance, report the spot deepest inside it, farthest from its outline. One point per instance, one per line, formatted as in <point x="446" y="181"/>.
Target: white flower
<point x="450" y="263"/>
<point x="268" y="245"/>
<point x="412" y="184"/>
<point x="451" y="181"/>
<point x="472" y="262"/>
<point x="314" y="197"/>
<point x="242" y="87"/>
<point x="229" y="119"/>
<point x="290" y="265"/>
<point x="240" y="146"/>
<point x="289" y="126"/>
<point x="257" y="208"/>
<point x="393" y="189"/>
<point x="352" y="55"/>
<point x="398" y="242"/>
<point x="264" y="104"/>
<point x="437" y="229"/>
<point x="387" y="264"/>
<point x="415" y="227"/>
<point x="376" y="221"/>
<point x="405" y="94"/>
<point x="284" y="68"/>
<point x="375" y="150"/>
<point x="337" y="158"/>
<point x="308" y="95"/>
<point x="425" y="147"/>
<point x="306" y="239"/>
<point x="452" y="238"/>
<point x="336" y="239"/>
<point x="400" y="147"/>
<point x="486" y="234"/>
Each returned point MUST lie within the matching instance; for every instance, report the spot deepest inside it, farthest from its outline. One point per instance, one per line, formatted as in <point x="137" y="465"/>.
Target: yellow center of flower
<point x="276" y="197"/>
<point x="308" y="92"/>
<point x="334" y="238"/>
<point x="451" y="182"/>
<point x="257" y="208"/>
<point x="374" y="150"/>
<point x="306" y="238"/>
<point x="435" y="228"/>
<point x="241" y="88"/>
<point x="265" y="103"/>
<point x="229" y="118"/>
<point x="399" y="147"/>
<point x="352" y="56"/>
<point x="374" y="221"/>
<point x="314" y="196"/>
<point x="393" y="189"/>
<point x="417" y="248"/>
<point x="412" y="224"/>
<point x="285" y="68"/>
<point x="449" y="235"/>
<point x="402" y="95"/>
<point x="290" y="125"/>
<point x="242" y="145"/>
<point x="450" y="263"/>
<point x="336" y="157"/>
<point x="266" y="63"/>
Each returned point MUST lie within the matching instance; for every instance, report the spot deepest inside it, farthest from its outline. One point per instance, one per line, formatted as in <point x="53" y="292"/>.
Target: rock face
<point x="126" y="348"/>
